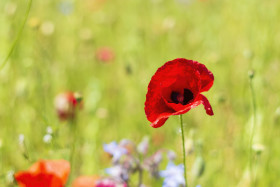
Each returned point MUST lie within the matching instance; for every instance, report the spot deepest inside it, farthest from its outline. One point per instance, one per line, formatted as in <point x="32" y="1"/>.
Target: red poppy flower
<point x="85" y="181"/>
<point x="44" y="173"/>
<point x="176" y="88"/>
<point x="66" y="104"/>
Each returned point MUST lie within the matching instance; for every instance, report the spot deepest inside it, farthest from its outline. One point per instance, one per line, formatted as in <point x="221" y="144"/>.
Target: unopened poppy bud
<point x="66" y="104"/>
<point x="78" y="96"/>
<point x="22" y="146"/>
<point x="10" y="177"/>
<point x="189" y="146"/>
<point x="258" y="148"/>
<point x="198" y="167"/>
<point x="251" y="74"/>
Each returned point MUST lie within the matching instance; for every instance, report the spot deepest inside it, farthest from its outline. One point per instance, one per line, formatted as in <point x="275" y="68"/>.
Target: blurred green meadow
<point x="57" y="52"/>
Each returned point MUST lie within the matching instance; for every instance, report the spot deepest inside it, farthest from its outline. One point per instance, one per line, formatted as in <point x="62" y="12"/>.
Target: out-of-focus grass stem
<point x="2" y="65"/>
<point x="253" y="97"/>
<point x="74" y="131"/>
<point x="184" y="150"/>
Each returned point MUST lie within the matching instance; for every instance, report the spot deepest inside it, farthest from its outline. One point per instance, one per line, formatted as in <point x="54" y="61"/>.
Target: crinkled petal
<point x="206" y="77"/>
<point x="207" y="105"/>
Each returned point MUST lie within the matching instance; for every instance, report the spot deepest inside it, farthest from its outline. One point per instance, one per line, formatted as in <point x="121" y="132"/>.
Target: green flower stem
<point x="252" y="132"/>
<point x="2" y="65"/>
<point x="184" y="150"/>
<point x="74" y="131"/>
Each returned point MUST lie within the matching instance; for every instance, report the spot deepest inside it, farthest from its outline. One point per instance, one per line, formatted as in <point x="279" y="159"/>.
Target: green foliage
<point x="57" y="52"/>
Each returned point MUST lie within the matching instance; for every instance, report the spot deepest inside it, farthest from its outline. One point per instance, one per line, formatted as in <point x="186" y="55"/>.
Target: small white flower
<point x="47" y="28"/>
<point x="258" y="148"/>
<point x="47" y="138"/>
<point x="21" y="139"/>
<point x="49" y="130"/>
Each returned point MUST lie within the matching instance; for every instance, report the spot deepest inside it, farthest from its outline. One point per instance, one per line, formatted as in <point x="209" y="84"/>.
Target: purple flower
<point x="108" y="182"/>
<point x="173" y="175"/>
<point x="118" y="172"/>
<point x="115" y="150"/>
<point x="171" y="155"/>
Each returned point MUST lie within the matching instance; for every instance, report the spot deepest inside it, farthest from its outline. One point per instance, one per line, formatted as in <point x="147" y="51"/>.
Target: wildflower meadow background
<point x="107" y="51"/>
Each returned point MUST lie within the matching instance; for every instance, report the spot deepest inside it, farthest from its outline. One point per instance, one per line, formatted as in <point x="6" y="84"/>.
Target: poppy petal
<point x="158" y="123"/>
<point x="207" y="105"/>
<point x="45" y="173"/>
<point x="27" y="179"/>
<point x="61" y="168"/>
<point x="85" y="181"/>
<point x="206" y="76"/>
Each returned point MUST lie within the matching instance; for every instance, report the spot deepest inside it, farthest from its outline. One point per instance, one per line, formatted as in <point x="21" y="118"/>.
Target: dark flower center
<point x="176" y="97"/>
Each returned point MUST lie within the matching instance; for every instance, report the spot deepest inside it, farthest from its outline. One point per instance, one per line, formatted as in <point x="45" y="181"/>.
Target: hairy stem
<point x="74" y="130"/>
<point x="184" y="150"/>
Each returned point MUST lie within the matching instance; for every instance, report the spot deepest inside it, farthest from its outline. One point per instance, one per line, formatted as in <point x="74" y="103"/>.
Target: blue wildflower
<point x="173" y="175"/>
<point x="66" y="7"/>
<point x="115" y="150"/>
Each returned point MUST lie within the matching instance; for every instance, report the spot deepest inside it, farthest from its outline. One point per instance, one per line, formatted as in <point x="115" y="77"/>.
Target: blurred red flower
<point x="66" y="104"/>
<point x="85" y="181"/>
<point x="105" y="54"/>
<point x="44" y="173"/>
<point x="176" y="88"/>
